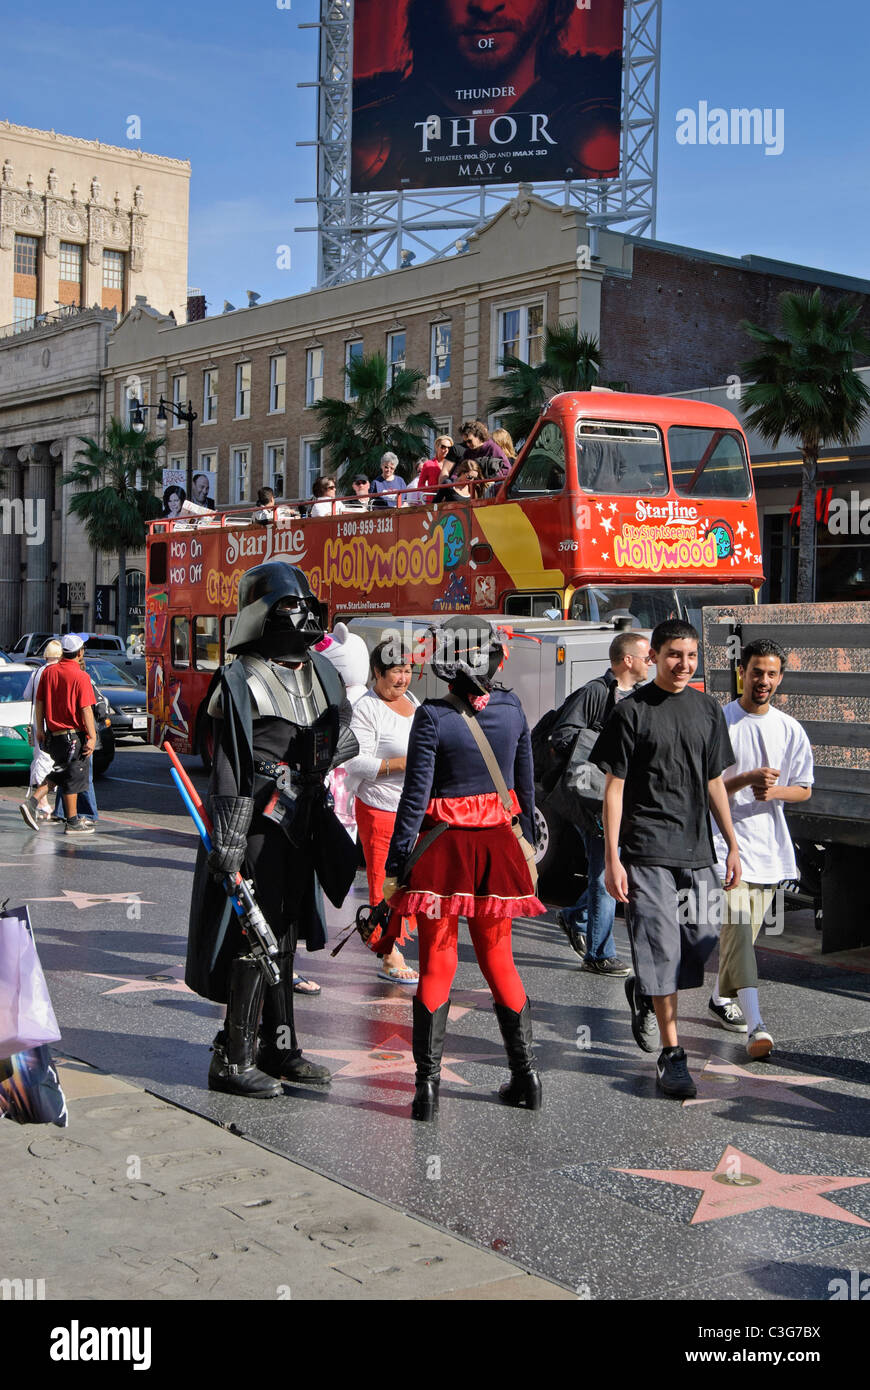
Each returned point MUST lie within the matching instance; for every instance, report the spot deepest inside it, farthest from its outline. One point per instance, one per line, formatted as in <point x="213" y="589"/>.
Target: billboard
<point x="452" y="93"/>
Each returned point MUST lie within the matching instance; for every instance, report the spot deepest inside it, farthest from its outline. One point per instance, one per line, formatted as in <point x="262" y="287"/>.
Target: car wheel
<point x="548" y="832"/>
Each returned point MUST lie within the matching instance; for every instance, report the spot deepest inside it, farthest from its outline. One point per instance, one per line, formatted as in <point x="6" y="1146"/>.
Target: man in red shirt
<point x="65" y="727"/>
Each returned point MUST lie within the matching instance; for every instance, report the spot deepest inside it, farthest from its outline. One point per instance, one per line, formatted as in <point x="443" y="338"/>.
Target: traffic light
<point x="63" y="596"/>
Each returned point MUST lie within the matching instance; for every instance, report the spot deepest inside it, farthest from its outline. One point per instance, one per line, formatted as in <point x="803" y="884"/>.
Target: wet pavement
<point x="759" y="1189"/>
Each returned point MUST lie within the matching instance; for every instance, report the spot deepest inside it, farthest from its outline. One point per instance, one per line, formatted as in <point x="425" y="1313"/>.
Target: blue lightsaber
<point x="263" y="946"/>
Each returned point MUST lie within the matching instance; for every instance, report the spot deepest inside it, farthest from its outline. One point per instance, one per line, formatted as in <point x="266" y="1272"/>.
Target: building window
<point x="520" y="334"/>
<point x="277" y="383"/>
<point x="136" y="390"/>
<point x="209" y="395"/>
<point x="313" y="376"/>
<point x="113" y="280"/>
<point x="179" y="398"/>
<point x="309" y="466"/>
<point x="243" y="390"/>
<point x="23" y="312"/>
<point x="274" y="468"/>
<point x="395" y="355"/>
<point x="240" y="479"/>
<point x="439" y="354"/>
<point x="353" y="352"/>
<point x="70" y="274"/>
<point x="25" y="255"/>
<point x="25" y="281"/>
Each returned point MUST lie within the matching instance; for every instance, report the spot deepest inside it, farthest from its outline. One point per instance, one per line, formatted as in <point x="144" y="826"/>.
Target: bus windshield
<point x="626" y="460"/>
<point x="708" y="463"/>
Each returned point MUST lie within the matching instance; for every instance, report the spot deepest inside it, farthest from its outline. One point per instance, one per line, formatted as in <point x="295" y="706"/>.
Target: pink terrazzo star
<point x="171" y="979"/>
<point x="740" y="1183"/>
<point x="722" y="1080"/>
<point x="392" y="1057"/>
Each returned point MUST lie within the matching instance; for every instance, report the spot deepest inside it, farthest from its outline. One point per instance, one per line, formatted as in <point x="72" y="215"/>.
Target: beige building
<point x="88" y="224"/>
<point x="255" y="375"/>
<point x="85" y="228"/>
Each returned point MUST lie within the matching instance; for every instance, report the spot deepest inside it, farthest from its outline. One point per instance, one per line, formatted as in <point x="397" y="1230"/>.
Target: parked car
<point x="16" y="714"/>
<point x="106" y="645"/>
<point x="128" y="709"/>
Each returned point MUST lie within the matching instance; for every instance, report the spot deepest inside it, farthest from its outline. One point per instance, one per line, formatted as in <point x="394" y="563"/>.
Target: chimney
<point x="195" y="305"/>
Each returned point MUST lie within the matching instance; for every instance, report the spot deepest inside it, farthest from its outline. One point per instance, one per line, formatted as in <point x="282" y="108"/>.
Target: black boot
<point x="428" y="1045"/>
<point x="232" y="1065"/>
<point x="524" y="1087"/>
<point x="279" y="1053"/>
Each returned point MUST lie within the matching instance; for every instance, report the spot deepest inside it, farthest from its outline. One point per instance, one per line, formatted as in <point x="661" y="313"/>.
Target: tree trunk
<point x="806" y="570"/>
<point x="121" y="623"/>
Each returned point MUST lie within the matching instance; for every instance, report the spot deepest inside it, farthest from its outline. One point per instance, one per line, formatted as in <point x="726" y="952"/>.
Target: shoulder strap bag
<point x="494" y="771"/>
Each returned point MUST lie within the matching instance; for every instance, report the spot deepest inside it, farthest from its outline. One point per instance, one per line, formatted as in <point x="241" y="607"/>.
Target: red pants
<point x="491" y="938"/>
<point x="375" y="832"/>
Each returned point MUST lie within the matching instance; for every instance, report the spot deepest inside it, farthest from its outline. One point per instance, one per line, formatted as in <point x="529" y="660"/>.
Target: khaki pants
<point x="747" y="906"/>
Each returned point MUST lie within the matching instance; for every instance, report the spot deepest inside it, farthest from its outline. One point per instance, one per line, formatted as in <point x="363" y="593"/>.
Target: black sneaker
<point x="643" y="1019"/>
<point x="575" y="936"/>
<point x="729" y="1014"/>
<point x="78" y="825"/>
<point x="606" y="965"/>
<point x="672" y="1074"/>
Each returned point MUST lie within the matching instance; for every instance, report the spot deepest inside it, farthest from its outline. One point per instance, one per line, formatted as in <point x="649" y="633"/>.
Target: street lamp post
<point x="137" y="420"/>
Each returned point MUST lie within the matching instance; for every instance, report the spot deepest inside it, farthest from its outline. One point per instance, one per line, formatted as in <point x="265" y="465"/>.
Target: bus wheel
<point x="205" y="741"/>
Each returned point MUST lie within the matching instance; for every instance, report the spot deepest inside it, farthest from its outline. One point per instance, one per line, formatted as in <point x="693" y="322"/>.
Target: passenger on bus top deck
<point x="323" y="492"/>
<point x="463" y="487"/>
<point x="389" y="484"/>
<point x="361" y="500"/>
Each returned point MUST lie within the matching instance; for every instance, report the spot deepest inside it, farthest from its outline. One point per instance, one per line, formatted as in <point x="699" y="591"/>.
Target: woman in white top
<point x="382" y="724"/>
<point x="324" y="493"/>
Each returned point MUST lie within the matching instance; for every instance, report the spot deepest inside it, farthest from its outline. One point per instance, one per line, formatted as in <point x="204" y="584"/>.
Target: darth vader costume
<point x="281" y="720"/>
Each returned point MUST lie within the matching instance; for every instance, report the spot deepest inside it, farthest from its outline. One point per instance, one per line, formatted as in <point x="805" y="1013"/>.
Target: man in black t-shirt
<point x="664" y="750"/>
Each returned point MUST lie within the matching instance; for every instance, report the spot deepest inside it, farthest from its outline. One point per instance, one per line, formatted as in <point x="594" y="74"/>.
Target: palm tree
<point x="381" y="417"/>
<point x="116" y="500"/>
<point x="571" y="362"/>
<point x="804" y="385"/>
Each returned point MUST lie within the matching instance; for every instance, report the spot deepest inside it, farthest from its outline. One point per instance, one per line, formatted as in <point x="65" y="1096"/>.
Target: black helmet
<point x="466" y="647"/>
<point x="278" y="614"/>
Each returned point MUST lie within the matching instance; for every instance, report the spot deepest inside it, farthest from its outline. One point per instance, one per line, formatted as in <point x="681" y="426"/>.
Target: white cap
<point x="71" y="642"/>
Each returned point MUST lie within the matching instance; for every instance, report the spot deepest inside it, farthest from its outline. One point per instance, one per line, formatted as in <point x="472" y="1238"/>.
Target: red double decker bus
<point x="616" y="503"/>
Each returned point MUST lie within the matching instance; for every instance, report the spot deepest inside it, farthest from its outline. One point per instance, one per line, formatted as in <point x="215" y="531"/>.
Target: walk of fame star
<point x="392" y="1057"/>
<point x="76" y="898"/>
<point x="721" y="1080"/>
<point x="740" y="1183"/>
<point x="170" y="978"/>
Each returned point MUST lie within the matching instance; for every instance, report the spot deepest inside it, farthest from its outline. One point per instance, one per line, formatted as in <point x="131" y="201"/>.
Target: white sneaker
<point x="759" y="1044"/>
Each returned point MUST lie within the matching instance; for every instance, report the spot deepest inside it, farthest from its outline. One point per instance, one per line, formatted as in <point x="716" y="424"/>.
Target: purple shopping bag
<point x="26" y="1017"/>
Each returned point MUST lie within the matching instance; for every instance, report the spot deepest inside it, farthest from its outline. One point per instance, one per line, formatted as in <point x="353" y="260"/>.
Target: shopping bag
<point x="30" y="1092"/>
<point x="26" y="1017"/>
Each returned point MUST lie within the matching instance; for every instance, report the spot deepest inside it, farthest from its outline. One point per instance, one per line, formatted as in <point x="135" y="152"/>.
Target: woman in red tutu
<point x="475" y="866"/>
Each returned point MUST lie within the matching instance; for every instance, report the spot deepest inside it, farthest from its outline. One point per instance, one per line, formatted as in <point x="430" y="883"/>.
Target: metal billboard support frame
<point x="363" y="234"/>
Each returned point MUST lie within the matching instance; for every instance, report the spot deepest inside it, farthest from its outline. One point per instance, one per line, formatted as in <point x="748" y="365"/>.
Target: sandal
<point x="303" y="986"/>
<point x="399" y="974"/>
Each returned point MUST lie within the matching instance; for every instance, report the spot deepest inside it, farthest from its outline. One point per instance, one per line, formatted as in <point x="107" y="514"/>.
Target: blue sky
<point x="215" y="82"/>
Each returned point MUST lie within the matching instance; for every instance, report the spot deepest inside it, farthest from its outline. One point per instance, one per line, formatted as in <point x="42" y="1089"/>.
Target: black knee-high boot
<point x="428" y="1045"/>
<point x="232" y="1065"/>
<point x="280" y="1054"/>
<point x="524" y="1087"/>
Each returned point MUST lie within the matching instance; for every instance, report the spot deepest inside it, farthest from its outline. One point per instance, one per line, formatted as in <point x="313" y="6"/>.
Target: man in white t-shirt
<point x="773" y="765"/>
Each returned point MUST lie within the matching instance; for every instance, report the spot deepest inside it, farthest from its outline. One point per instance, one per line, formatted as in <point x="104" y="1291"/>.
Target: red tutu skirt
<point x="475" y="868"/>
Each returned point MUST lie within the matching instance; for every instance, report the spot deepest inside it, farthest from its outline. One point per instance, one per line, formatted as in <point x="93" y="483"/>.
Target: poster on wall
<point x="449" y="93"/>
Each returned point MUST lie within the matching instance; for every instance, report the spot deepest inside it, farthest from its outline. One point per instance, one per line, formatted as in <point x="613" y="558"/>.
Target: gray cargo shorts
<point x="673" y="924"/>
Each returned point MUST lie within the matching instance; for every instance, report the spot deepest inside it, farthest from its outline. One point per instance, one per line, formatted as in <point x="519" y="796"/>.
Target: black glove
<point x="346" y="748"/>
<point x="231" y="817"/>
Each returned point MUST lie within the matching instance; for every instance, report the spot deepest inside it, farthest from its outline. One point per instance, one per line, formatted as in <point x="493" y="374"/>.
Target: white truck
<point x="547" y="660"/>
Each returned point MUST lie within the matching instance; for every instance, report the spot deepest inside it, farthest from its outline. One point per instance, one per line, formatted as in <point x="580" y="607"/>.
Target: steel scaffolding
<point x="363" y="234"/>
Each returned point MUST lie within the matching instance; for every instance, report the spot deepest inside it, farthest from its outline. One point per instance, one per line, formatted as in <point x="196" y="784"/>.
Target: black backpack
<point x="548" y="764"/>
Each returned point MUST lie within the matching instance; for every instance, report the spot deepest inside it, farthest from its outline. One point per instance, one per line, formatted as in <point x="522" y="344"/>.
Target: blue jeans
<point x="87" y="801"/>
<point x="594" y="910"/>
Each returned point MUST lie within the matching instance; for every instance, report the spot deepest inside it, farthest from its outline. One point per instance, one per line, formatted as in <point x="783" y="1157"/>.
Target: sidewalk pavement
<point x="140" y="1199"/>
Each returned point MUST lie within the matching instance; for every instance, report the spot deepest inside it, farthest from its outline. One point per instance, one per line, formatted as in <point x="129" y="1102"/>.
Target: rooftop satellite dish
<point x="253" y="298"/>
<point x="228" y="307"/>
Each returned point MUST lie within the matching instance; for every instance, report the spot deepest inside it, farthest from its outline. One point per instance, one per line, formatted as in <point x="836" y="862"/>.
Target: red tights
<point x="491" y="938"/>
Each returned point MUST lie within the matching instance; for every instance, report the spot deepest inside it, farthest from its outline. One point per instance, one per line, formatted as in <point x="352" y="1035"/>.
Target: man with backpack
<point x="589" y="709"/>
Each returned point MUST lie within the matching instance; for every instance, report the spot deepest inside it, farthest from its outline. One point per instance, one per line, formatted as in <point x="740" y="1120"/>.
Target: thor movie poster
<point x="449" y="93"/>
